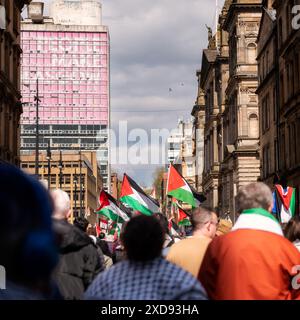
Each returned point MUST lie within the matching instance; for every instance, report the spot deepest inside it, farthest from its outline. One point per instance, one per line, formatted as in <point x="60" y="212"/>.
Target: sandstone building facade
<point x="10" y="53"/>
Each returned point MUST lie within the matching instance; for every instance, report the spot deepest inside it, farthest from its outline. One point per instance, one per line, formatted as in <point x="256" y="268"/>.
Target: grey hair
<point x="62" y="204"/>
<point x="200" y="216"/>
<point x="254" y="195"/>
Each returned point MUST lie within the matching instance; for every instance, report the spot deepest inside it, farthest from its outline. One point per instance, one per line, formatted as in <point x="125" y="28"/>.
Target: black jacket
<point x="79" y="261"/>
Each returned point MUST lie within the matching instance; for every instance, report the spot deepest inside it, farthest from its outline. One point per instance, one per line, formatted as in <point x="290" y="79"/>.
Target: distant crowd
<point x="47" y="258"/>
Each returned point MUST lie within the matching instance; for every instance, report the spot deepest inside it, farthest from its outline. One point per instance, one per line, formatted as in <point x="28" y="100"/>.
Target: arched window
<point x="251" y="53"/>
<point x="253" y="126"/>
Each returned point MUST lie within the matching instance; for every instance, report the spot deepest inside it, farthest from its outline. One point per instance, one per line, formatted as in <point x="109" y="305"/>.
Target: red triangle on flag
<point x="175" y="179"/>
<point x="285" y="197"/>
<point x="181" y="215"/>
<point x="103" y="200"/>
<point x="126" y="187"/>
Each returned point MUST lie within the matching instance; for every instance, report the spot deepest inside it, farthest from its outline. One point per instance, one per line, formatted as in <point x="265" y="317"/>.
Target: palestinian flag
<point x="284" y="206"/>
<point x="179" y="189"/>
<point x="110" y="209"/>
<point x="115" y="229"/>
<point x="183" y="218"/>
<point x="136" y="198"/>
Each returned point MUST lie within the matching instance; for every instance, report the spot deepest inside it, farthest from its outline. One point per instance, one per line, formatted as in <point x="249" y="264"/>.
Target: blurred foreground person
<point x="292" y="231"/>
<point x="79" y="260"/>
<point x="254" y="261"/>
<point x="188" y="253"/>
<point x="145" y="275"/>
<point x="27" y="242"/>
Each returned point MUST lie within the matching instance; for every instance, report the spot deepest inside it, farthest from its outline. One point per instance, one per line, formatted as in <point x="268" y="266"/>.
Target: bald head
<point x="62" y="205"/>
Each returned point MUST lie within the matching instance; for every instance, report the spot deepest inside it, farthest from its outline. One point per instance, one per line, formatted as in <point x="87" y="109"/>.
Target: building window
<point x="265" y="114"/>
<point x="282" y="91"/>
<point x="253" y="126"/>
<point x="190" y="170"/>
<point x="266" y="161"/>
<point x="251" y="53"/>
<point x="53" y="179"/>
<point x="280" y="36"/>
<point x="297" y="142"/>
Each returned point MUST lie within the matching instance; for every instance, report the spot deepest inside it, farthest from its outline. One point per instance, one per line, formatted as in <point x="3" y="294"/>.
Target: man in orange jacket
<point x="254" y="261"/>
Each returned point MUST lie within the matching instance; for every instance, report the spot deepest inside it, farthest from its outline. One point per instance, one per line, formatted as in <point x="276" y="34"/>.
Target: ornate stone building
<point x="240" y="118"/>
<point x="198" y="113"/>
<point x="267" y="57"/>
<point x="214" y="78"/>
<point x="279" y="92"/>
<point x="289" y="94"/>
<point x="210" y="180"/>
<point x="222" y="76"/>
<point x="10" y="105"/>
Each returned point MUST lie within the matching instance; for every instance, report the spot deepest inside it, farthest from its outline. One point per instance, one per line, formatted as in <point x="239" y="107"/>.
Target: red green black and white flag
<point x="110" y="209"/>
<point x="284" y="203"/>
<point x="180" y="189"/>
<point x="134" y="196"/>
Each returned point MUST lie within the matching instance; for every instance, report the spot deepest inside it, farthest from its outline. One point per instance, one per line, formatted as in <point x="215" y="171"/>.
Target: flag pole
<point x="169" y="169"/>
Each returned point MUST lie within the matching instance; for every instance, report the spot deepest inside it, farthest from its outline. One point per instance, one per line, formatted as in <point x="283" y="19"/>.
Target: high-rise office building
<point x="68" y="53"/>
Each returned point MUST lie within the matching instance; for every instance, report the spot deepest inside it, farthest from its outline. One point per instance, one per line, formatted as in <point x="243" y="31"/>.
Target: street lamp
<point x="60" y="166"/>
<point x="83" y="202"/>
<point x="80" y="175"/>
<point x="37" y="100"/>
<point x="75" y="192"/>
<point x="49" y="163"/>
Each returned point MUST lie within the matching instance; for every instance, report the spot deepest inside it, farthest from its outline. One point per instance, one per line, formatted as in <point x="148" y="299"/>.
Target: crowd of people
<point x="46" y="257"/>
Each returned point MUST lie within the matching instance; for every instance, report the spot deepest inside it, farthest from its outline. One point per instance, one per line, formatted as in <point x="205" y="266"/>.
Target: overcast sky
<point x="155" y="45"/>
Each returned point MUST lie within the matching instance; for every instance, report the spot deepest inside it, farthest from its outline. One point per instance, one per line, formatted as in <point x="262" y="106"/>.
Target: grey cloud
<point x="155" y="45"/>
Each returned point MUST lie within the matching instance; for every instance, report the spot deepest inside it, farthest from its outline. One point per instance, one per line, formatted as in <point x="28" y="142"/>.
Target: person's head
<point x="292" y="229"/>
<point x="163" y="221"/>
<point x="253" y="196"/>
<point x="204" y="221"/>
<point x="104" y="247"/>
<point x="81" y="223"/>
<point x="62" y="205"/>
<point x="143" y="238"/>
<point x="91" y="230"/>
<point x="27" y="241"/>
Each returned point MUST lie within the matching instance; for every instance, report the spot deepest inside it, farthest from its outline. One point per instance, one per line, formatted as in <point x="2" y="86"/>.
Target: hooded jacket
<point x="79" y="261"/>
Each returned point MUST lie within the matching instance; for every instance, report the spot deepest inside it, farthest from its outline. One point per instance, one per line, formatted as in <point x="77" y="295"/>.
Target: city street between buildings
<point x="149" y="154"/>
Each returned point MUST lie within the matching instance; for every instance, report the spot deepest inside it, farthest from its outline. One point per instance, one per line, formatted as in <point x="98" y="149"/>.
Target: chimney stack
<point x="36" y="12"/>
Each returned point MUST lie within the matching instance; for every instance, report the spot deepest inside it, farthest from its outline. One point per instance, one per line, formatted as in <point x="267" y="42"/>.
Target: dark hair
<point x="143" y="238"/>
<point x="292" y="229"/>
<point x="163" y="221"/>
<point x="103" y="245"/>
<point x="81" y="223"/>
